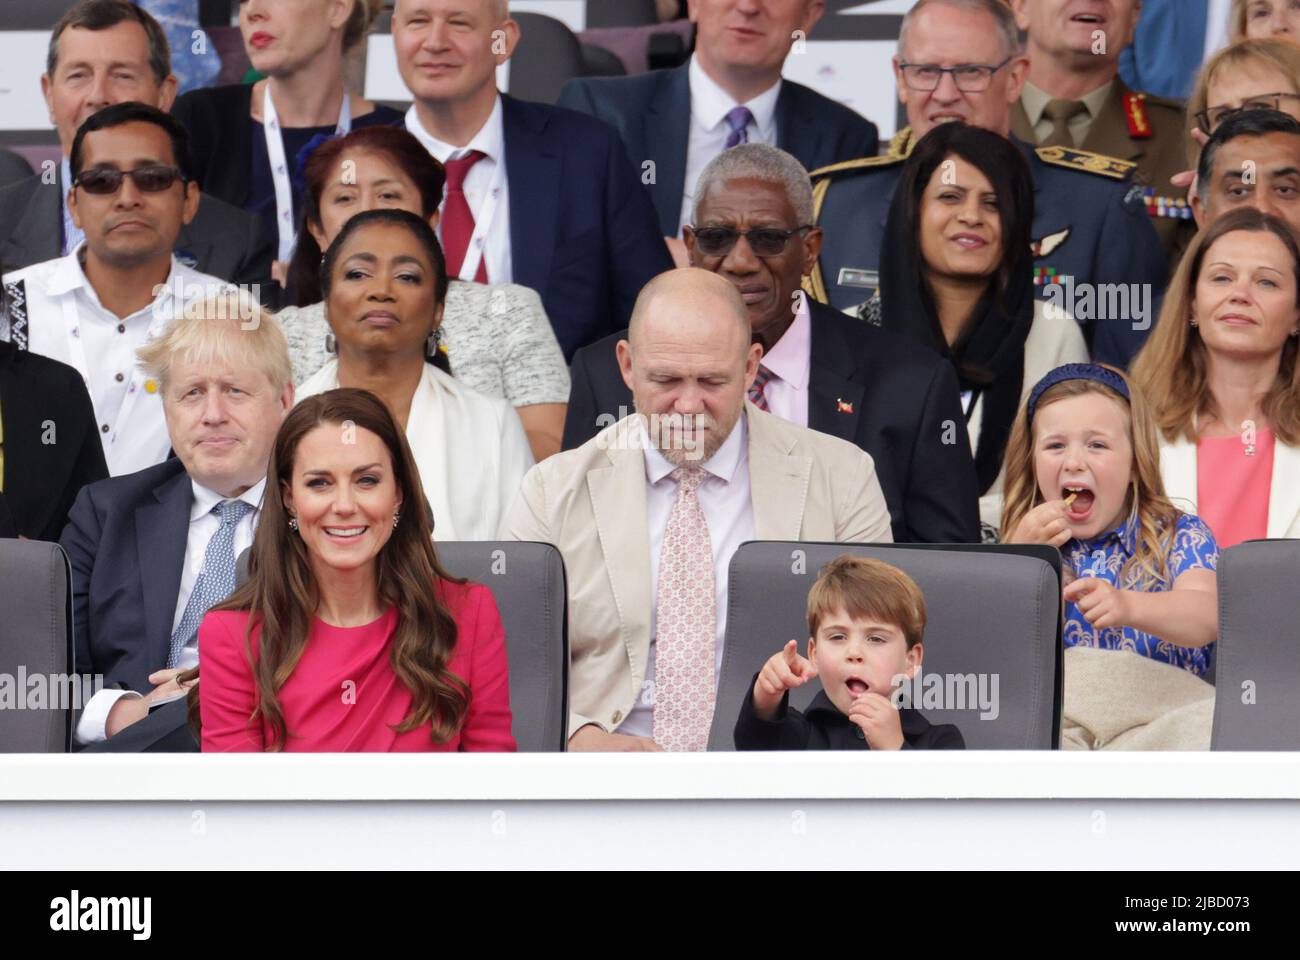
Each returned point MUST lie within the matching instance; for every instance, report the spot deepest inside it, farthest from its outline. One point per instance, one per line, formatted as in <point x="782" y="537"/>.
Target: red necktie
<point x="457" y="219"/>
<point x="758" y="389"/>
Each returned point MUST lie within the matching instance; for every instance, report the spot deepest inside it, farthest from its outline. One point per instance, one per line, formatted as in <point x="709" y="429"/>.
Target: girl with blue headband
<point x="1083" y="474"/>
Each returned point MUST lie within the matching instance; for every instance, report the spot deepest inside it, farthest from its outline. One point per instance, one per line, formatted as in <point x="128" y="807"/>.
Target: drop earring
<point x="293" y="523"/>
<point x="432" y="343"/>
<point x="331" y="344"/>
<point x="396" y="517"/>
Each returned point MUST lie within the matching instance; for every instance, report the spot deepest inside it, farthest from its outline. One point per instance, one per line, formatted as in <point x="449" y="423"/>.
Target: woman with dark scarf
<point x="956" y="273"/>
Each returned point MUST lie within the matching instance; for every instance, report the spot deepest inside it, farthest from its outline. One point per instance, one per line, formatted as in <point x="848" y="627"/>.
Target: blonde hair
<point x="1145" y="502"/>
<point x="1172" y="363"/>
<point x="229" y="329"/>
<point x="865" y="588"/>
<point x="1271" y="53"/>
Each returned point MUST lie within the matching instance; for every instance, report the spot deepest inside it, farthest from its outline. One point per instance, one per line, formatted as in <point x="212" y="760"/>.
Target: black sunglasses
<point x="764" y="241"/>
<point x="151" y="179"/>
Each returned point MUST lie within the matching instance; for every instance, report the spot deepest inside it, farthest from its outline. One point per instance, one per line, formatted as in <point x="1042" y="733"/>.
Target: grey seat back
<point x="1257" y="683"/>
<point x="993" y="614"/>
<point x="527" y="580"/>
<point x="548" y="56"/>
<point x="36" y="648"/>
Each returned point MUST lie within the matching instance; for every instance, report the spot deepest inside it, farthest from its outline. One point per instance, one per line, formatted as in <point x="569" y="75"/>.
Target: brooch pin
<point x="842" y="406"/>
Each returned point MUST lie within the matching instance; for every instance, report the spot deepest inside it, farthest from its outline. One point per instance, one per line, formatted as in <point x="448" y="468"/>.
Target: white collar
<point x="205" y="499"/>
<point x="69" y="276"/>
<point x="722" y="464"/>
<point x="490" y="139"/>
<point x="710" y="104"/>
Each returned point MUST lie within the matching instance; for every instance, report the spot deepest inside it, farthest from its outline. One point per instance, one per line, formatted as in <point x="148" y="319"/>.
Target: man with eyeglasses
<point x="1251" y="160"/>
<point x="1074" y="97"/>
<point x="103" y="52"/>
<point x="121" y="285"/>
<point x="819" y="368"/>
<point x="961" y="60"/>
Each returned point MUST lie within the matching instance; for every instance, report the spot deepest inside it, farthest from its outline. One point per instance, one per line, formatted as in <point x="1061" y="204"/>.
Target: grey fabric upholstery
<point x="991" y="611"/>
<point x="547" y="56"/>
<point x="36" y="640"/>
<point x="1258" y="652"/>
<point x="527" y="580"/>
<point x="623" y="13"/>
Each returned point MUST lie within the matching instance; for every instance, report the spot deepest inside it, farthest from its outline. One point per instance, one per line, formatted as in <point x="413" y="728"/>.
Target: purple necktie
<point x="738" y="118"/>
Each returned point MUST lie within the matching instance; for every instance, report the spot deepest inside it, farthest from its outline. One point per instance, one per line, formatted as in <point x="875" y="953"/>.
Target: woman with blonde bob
<point x="1259" y="73"/>
<point x="1082" y="474"/>
<point x="1264" y="18"/>
<point x="1221" y="367"/>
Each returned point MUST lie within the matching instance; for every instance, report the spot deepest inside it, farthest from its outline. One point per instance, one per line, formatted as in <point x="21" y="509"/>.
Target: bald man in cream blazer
<point x="606" y="504"/>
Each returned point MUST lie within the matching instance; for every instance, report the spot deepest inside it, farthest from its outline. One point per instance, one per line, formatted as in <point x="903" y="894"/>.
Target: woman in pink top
<point x="1221" y="372"/>
<point x="348" y="635"/>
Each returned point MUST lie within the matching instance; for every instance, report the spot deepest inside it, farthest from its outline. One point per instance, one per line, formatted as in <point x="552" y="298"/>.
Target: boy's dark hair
<point x="102" y="14"/>
<point x="133" y="112"/>
<point x="867" y="588"/>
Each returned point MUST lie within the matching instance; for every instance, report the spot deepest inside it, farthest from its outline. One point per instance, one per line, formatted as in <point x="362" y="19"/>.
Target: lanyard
<point x="280" y="166"/>
<point x="77" y="355"/>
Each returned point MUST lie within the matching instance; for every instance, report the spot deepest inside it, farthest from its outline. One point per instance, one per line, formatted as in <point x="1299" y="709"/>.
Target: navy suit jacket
<point x="125" y="540"/>
<point x="582" y="231"/>
<point x="893" y="398"/>
<point x="1096" y="227"/>
<point x="652" y="113"/>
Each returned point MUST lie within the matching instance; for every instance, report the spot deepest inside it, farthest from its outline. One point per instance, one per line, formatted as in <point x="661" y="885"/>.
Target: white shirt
<point x="67" y="322"/>
<point x="729" y="512"/>
<point x="791" y="360"/>
<point x="470" y="448"/>
<point x="491" y="141"/>
<point x="709" y="131"/>
<point x="203" y="524"/>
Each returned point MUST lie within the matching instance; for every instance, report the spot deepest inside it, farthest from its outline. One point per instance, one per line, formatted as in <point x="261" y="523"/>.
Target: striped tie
<point x="757" y="394"/>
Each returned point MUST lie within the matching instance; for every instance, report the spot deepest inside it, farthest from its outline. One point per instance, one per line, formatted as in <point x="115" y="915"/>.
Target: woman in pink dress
<point x="348" y="636"/>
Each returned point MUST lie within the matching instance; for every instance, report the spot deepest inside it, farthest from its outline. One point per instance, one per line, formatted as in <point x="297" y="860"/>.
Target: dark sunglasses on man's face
<point x="151" y="179"/>
<point x="764" y="241"/>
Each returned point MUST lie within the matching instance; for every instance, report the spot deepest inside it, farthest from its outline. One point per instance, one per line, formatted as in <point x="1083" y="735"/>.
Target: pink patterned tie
<point x="686" y="623"/>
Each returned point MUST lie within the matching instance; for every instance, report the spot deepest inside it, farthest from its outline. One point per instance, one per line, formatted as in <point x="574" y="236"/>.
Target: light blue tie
<point x="216" y="580"/>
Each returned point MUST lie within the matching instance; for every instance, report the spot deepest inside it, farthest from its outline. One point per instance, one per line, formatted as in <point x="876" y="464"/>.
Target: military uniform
<point x="1145" y="130"/>
<point x="1090" y="223"/>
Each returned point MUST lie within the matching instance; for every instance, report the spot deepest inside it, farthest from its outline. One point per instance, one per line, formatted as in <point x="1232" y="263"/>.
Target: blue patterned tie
<point x="216" y="580"/>
<point x="738" y="118"/>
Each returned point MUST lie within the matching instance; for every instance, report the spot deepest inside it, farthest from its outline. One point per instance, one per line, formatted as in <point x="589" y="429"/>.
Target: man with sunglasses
<point x="104" y="52"/>
<point x="961" y="60"/>
<point x="819" y="368"/>
<point x="121" y="285"/>
<point x="1074" y="97"/>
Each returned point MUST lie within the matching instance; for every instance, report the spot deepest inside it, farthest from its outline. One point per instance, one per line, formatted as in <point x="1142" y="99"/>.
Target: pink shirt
<point x="1232" y="489"/>
<point x="343" y="695"/>
<point x="790" y="359"/>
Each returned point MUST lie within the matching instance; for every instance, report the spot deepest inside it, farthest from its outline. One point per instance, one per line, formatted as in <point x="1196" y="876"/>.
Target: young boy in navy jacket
<point x="866" y="620"/>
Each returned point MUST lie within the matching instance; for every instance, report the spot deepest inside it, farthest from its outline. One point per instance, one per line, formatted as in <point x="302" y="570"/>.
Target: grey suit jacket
<point x="591" y="503"/>
<point x="222" y="241"/>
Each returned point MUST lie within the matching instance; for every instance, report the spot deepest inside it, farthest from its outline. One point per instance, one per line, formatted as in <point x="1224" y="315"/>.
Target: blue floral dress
<point x="1104" y="557"/>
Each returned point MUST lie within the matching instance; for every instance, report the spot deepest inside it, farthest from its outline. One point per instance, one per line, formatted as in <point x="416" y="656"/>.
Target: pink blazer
<point x="343" y="695"/>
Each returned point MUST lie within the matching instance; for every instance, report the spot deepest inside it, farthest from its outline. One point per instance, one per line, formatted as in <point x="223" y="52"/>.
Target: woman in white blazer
<point x="1220" y="373"/>
<point x="385" y="283"/>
